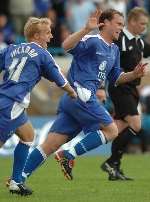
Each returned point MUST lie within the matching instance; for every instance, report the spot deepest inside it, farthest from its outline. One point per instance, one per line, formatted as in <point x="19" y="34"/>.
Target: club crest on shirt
<point x="102" y="66"/>
<point x="102" y="71"/>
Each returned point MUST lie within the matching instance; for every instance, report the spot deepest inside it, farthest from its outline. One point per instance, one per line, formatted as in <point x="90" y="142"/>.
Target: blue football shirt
<point x="23" y="66"/>
<point x="94" y="62"/>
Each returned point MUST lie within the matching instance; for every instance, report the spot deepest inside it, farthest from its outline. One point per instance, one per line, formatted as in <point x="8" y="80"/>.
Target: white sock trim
<point x="24" y="175"/>
<point x="42" y="152"/>
<point x="27" y="143"/>
<point x="132" y="131"/>
<point x="102" y="136"/>
<point x="72" y="151"/>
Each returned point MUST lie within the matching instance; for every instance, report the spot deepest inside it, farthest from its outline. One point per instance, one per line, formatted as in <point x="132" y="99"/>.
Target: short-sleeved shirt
<point x="94" y="62"/>
<point x="23" y="66"/>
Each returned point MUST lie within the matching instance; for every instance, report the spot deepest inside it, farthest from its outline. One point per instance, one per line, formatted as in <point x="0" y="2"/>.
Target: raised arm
<point x="74" y="38"/>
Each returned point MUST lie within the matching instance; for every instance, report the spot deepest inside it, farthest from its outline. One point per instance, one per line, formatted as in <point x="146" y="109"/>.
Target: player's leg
<point x="96" y="134"/>
<point x="94" y="139"/>
<point x="126" y="135"/>
<point x="112" y="164"/>
<point x="118" y="149"/>
<point x="9" y="124"/>
<point x="39" y="155"/>
<point x="26" y="135"/>
<point x="91" y="141"/>
<point x="129" y="123"/>
<point x="63" y="128"/>
<point x="116" y="154"/>
<point x="10" y="120"/>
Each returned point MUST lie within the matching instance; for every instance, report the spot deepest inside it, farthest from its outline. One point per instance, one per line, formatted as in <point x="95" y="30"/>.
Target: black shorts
<point x="125" y="99"/>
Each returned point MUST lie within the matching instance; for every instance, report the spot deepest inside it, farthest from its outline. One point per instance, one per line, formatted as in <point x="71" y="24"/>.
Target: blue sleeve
<point x="52" y="72"/>
<point x="2" y="59"/>
<point x="86" y="44"/>
<point x="115" y="71"/>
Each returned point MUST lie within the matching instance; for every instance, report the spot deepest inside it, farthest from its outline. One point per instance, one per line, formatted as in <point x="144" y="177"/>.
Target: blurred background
<point x="67" y="16"/>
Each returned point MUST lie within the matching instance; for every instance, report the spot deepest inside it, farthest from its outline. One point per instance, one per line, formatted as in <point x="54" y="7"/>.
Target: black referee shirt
<point x="132" y="49"/>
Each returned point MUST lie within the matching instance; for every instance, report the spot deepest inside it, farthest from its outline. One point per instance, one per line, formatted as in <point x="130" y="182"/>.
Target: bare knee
<point x="136" y="127"/>
<point x="134" y="122"/>
<point x="26" y="137"/>
<point x="53" y="142"/>
<point x="110" y="131"/>
<point x="114" y="132"/>
<point x="25" y="132"/>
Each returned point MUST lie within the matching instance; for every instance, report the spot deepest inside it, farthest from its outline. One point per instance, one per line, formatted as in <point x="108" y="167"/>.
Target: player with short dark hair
<point x="23" y="67"/>
<point x="125" y="97"/>
<point x="95" y="59"/>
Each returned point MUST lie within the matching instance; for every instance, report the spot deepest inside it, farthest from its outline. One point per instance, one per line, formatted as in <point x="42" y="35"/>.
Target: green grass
<point x="90" y="184"/>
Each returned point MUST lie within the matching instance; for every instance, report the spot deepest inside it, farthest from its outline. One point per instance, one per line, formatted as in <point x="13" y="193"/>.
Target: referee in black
<point x="125" y="97"/>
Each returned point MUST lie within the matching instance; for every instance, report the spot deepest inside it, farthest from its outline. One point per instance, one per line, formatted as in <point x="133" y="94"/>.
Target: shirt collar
<point x="100" y="37"/>
<point x="129" y="35"/>
<point x="36" y="44"/>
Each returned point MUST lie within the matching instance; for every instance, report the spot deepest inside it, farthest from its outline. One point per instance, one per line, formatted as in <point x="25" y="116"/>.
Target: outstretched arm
<point x="74" y="38"/>
<point x="138" y="72"/>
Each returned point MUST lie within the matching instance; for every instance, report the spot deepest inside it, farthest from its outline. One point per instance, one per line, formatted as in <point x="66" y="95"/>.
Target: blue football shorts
<point x="11" y="118"/>
<point x="75" y="116"/>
